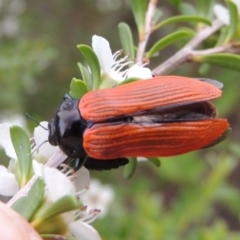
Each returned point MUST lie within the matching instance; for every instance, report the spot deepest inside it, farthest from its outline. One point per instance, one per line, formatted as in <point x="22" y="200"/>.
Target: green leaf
<point x="64" y="204"/>
<point x="126" y="39"/>
<point x="186" y="8"/>
<point x="227" y="60"/>
<point x="139" y="8"/>
<point x="155" y="161"/>
<point x="204" y="8"/>
<point x="27" y="206"/>
<point x="21" y="144"/>
<point x="233" y="12"/>
<point x="77" y="88"/>
<point x="182" y="18"/>
<point x="130" y="168"/>
<point x="93" y="63"/>
<point x="222" y="36"/>
<point x="86" y="76"/>
<point x="167" y="40"/>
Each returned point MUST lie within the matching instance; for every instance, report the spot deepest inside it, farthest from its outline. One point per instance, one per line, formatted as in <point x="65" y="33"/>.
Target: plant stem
<point x="147" y="31"/>
<point x="184" y="54"/>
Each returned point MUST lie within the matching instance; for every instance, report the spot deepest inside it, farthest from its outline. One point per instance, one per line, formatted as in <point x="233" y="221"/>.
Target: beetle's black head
<point x="67" y="128"/>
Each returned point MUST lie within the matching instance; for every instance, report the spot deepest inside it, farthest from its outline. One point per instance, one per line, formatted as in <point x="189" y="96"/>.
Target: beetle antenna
<point x="38" y="123"/>
<point x="37" y="148"/>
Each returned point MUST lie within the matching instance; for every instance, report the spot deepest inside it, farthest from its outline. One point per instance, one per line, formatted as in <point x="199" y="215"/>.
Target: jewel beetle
<point x="162" y="116"/>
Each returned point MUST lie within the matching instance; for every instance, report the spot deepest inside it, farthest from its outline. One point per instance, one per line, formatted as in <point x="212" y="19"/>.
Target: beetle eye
<point x="73" y="152"/>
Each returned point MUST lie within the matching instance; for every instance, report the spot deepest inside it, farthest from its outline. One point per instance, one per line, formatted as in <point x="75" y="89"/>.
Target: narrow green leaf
<point x="126" y="39"/>
<point x="27" y="206"/>
<point x="130" y="168"/>
<point x="93" y="63"/>
<point x="21" y="144"/>
<point x="186" y="8"/>
<point x="64" y="204"/>
<point x="167" y="40"/>
<point x="182" y="18"/>
<point x="77" y="88"/>
<point x="227" y="60"/>
<point x="139" y="8"/>
<point x="86" y="76"/>
<point x="222" y="36"/>
<point x="155" y="161"/>
<point x="204" y="8"/>
<point x="233" y="12"/>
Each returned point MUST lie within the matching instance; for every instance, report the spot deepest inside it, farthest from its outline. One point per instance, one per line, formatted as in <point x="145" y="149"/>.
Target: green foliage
<point x="126" y="39"/>
<point x="139" y="8"/>
<point x="22" y="148"/>
<point x="167" y="40"/>
<point x="130" y="168"/>
<point x="226" y="60"/>
<point x="20" y="62"/>
<point x="233" y="12"/>
<point x="93" y="63"/>
<point x="27" y="206"/>
<point x="182" y="18"/>
<point x="77" y="88"/>
<point x="176" y="207"/>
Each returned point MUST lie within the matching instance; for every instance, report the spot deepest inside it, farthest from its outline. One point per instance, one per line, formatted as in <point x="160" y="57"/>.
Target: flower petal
<point x="83" y="179"/>
<point x="83" y="231"/>
<point x="8" y="182"/>
<point x="221" y="13"/>
<point x="103" y="51"/>
<point x="40" y="136"/>
<point x="98" y="196"/>
<point x="5" y="140"/>
<point x="137" y="71"/>
<point x="57" y="183"/>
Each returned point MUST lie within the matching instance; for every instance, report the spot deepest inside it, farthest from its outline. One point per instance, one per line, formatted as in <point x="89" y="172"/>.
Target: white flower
<point x="59" y="185"/>
<point x="8" y="182"/>
<point x="99" y="196"/>
<point x="40" y="137"/>
<point x="112" y="67"/>
<point x="222" y="12"/>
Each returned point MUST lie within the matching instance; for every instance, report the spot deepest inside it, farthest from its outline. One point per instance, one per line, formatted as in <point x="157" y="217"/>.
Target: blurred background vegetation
<point x="194" y="196"/>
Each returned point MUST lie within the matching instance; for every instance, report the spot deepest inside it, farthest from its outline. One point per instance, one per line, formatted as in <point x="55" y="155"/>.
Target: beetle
<point x="162" y="116"/>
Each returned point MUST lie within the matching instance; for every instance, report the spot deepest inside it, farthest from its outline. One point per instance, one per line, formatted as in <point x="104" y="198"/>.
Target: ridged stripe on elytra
<point x="147" y="94"/>
<point x="107" y="141"/>
<point x="143" y="95"/>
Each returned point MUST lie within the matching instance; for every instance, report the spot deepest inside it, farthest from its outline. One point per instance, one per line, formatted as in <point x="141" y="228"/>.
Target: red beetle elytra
<point x="161" y="116"/>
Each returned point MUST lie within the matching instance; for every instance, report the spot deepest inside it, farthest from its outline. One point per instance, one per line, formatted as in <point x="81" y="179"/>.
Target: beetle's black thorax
<point x="67" y="128"/>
